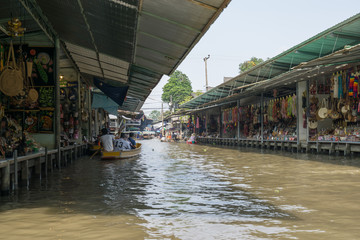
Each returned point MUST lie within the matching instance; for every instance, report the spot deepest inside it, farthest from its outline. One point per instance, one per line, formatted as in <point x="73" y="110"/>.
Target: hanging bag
<point x="323" y="111"/>
<point x="11" y="79"/>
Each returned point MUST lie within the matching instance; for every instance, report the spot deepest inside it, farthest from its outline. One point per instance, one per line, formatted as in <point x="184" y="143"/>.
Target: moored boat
<point x="122" y="154"/>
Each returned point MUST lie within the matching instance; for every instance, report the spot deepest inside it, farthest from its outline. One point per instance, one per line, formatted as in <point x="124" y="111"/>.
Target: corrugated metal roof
<point x="129" y="42"/>
<point x="34" y="35"/>
<point x="323" y="44"/>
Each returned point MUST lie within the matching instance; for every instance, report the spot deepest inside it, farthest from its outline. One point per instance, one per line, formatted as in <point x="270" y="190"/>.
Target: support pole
<point x="206" y="78"/>
<point x="262" y="118"/>
<point x="57" y="93"/>
<point x="25" y="173"/>
<point x="16" y="182"/>
<point x="238" y="122"/>
<point x="59" y="157"/>
<point x="5" y="179"/>
<point x="46" y="161"/>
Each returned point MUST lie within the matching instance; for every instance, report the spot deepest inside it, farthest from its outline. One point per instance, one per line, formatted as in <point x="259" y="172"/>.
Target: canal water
<point x="180" y="191"/>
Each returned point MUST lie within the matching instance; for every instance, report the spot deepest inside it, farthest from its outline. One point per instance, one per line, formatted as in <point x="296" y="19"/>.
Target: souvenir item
<point x="313" y="124"/>
<point x="11" y="78"/>
<point x="323" y="111"/>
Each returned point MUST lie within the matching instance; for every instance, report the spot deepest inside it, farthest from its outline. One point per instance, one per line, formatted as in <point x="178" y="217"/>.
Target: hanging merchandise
<point x="323" y="111"/>
<point x="11" y="78"/>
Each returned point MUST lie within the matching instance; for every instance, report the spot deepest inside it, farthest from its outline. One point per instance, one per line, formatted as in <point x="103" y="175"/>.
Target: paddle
<point x="95" y="153"/>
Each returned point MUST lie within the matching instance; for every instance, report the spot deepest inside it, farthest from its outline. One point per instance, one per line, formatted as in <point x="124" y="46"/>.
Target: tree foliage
<point x="178" y="87"/>
<point x="191" y="96"/>
<point x="155" y="115"/>
<point x="243" y="67"/>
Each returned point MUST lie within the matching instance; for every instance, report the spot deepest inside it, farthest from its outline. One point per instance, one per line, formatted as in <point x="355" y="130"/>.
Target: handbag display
<point x="11" y="79"/>
<point x="323" y="111"/>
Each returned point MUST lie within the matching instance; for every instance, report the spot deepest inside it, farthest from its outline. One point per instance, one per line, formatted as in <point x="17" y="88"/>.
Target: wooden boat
<point x="94" y="148"/>
<point x="122" y="154"/>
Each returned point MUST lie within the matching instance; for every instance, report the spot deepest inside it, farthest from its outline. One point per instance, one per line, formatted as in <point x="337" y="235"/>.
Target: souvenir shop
<point x="74" y="108"/>
<point x="333" y="108"/>
<point x="27" y="98"/>
<point x="229" y="121"/>
<point x="273" y="119"/>
<point x="205" y="123"/>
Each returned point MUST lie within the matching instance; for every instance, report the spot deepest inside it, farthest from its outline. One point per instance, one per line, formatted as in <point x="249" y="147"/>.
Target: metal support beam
<point x="34" y="10"/>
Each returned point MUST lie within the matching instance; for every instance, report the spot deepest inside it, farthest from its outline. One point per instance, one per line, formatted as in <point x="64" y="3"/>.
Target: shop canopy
<point x="122" y="42"/>
<point x="276" y="71"/>
<point x="99" y="100"/>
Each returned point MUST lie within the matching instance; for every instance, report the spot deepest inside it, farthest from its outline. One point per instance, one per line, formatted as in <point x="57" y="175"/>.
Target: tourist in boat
<point x="122" y="144"/>
<point x="192" y="139"/>
<point x="132" y="140"/>
<point x="107" y="140"/>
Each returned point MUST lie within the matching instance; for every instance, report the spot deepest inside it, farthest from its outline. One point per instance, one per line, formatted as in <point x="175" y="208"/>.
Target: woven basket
<point x="11" y="79"/>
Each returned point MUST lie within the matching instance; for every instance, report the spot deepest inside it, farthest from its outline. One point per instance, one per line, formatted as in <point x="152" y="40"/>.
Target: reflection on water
<point x="179" y="191"/>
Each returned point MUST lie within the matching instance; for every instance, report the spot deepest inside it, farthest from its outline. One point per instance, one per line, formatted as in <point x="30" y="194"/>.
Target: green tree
<point x="243" y="67"/>
<point x="176" y="89"/>
<point x="155" y="115"/>
<point x="191" y="96"/>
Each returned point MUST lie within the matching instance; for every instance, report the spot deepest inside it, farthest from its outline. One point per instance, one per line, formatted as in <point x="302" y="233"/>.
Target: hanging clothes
<point x="293" y="107"/>
<point x="350" y="84"/>
<point x="356" y="86"/>
<point x="335" y="84"/>
<point x="197" y="123"/>
<point x="340" y="84"/>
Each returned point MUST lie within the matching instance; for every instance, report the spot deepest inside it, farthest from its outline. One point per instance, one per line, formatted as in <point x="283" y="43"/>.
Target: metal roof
<point x="125" y="42"/>
<point x="325" y="43"/>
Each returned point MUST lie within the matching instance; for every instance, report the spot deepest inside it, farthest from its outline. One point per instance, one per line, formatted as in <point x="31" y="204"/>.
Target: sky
<point x="261" y="29"/>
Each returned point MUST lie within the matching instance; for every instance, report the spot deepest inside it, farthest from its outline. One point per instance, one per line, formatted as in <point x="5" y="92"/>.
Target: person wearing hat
<point x="107" y="140"/>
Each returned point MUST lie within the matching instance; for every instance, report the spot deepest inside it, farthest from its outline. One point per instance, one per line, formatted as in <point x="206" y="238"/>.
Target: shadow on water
<point x="165" y="182"/>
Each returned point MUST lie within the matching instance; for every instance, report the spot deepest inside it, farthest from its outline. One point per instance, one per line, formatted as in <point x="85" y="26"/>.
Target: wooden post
<point x="5" y="179"/>
<point x="347" y="149"/>
<point x="46" y="161"/>
<point x="59" y="157"/>
<point x="52" y="162"/>
<point x="262" y="118"/>
<point x="16" y="183"/>
<point x="332" y="148"/>
<point x="25" y="173"/>
<point x="38" y="166"/>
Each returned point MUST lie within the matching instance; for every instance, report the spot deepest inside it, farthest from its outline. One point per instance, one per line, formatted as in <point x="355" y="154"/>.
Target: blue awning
<point x="117" y="94"/>
<point x="101" y="101"/>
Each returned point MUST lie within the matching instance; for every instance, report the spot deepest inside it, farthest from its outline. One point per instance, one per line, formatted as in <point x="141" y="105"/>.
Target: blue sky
<point x="262" y="29"/>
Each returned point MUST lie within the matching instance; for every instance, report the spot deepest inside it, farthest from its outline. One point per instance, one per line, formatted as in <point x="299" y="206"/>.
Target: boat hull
<point x="122" y="154"/>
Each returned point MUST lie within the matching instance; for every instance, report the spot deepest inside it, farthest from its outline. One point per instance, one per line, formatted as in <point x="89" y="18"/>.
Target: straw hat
<point x="33" y="95"/>
<point x="313" y="124"/>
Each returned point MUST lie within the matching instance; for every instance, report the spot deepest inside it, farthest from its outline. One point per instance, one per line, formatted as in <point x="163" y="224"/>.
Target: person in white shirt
<point x="122" y="144"/>
<point x="107" y="140"/>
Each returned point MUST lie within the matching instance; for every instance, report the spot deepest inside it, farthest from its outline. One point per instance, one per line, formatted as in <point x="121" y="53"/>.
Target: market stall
<point x="27" y="98"/>
<point x="333" y="108"/>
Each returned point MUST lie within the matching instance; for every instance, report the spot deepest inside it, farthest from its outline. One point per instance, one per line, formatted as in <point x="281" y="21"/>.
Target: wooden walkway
<point x="40" y="164"/>
<point x="345" y="148"/>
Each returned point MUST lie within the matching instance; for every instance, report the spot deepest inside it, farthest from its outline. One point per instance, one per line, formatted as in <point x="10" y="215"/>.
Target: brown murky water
<point x="179" y="191"/>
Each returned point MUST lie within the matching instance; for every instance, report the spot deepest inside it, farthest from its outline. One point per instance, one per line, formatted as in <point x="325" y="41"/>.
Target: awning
<point x="100" y="100"/>
<point x="117" y="94"/>
<point x="131" y="42"/>
<point x="346" y="33"/>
